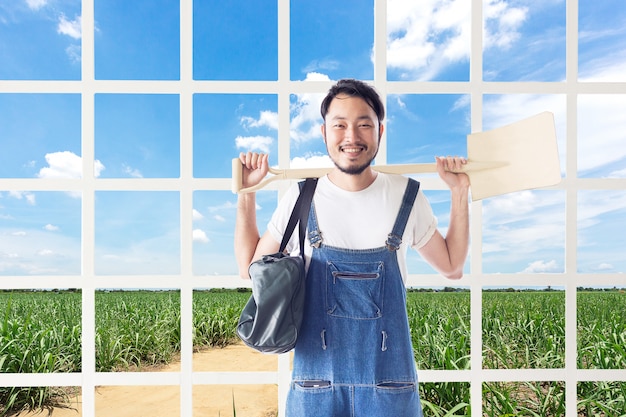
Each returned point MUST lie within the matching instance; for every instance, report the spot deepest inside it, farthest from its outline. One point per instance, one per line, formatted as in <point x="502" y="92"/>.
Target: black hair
<point x="354" y="88"/>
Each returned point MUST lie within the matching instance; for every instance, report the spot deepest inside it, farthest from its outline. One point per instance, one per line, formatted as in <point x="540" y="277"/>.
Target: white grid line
<point x="87" y="87"/>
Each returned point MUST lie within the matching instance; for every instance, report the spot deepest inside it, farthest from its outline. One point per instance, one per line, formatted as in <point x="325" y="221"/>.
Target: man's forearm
<point x="457" y="238"/>
<point x="246" y="232"/>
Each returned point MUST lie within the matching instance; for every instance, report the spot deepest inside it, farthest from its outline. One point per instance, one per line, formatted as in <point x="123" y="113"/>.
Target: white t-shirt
<point x="359" y="219"/>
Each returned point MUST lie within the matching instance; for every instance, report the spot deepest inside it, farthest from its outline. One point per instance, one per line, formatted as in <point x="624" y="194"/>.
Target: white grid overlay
<point x="87" y="87"/>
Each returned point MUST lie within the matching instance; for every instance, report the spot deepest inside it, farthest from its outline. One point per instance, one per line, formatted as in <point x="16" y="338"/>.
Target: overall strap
<point x="314" y="236"/>
<point x="394" y="239"/>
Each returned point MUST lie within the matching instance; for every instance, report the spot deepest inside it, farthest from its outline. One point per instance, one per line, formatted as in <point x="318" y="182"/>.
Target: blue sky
<point x="137" y="135"/>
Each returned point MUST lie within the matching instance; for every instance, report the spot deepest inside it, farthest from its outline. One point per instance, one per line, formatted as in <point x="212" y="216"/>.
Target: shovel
<point x="519" y="156"/>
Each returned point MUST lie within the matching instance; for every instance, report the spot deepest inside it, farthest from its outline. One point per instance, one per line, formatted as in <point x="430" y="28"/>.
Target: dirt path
<point x="208" y="401"/>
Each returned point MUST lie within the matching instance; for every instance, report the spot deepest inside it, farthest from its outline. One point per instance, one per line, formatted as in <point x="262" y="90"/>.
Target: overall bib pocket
<point x="354" y="290"/>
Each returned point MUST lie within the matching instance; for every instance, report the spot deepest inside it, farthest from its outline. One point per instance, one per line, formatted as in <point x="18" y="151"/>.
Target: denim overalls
<point x="354" y="356"/>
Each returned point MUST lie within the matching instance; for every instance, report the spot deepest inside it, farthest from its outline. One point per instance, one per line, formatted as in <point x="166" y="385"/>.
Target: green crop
<point x="215" y="316"/>
<point x="135" y="329"/>
<point x="523" y="330"/>
<point x="601" y="330"/>
<point x="40" y="331"/>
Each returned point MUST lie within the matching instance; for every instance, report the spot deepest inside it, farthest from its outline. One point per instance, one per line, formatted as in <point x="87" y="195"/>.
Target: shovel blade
<point x="528" y="150"/>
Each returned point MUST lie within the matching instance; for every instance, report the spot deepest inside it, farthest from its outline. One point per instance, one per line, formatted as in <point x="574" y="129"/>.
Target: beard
<point x="353" y="168"/>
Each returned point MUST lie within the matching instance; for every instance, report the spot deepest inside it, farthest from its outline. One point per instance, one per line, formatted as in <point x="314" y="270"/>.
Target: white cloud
<point x="502" y="23"/>
<point x="74" y="53"/>
<point x="71" y="28"/>
<point x="28" y="252"/>
<point x="515" y="204"/>
<point x="228" y="205"/>
<point x="196" y="215"/>
<point x="463" y="102"/>
<point x="219" y="218"/>
<point x="51" y="228"/>
<point x="133" y="172"/>
<point x="155" y="255"/>
<point x="620" y="173"/>
<point x="399" y="102"/>
<point x="66" y="164"/>
<point x="266" y="118"/>
<point x="603" y="64"/>
<point x="425" y="37"/>
<point x="324" y="64"/>
<point x="26" y="195"/>
<point x="601" y="127"/>
<point x="62" y="165"/>
<point x="599" y="33"/>
<point x="316" y="76"/>
<point x="523" y="226"/>
<point x="507" y="108"/>
<point x="252" y="143"/>
<point x="305" y="113"/>
<point x="311" y="161"/>
<point x="605" y="267"/>
<point x="36" y="4"/>
<point x="530" y="224"/>
<point x="593" y="204"/>
<point x="200" y="236"/>
<point x="542" y="267"/>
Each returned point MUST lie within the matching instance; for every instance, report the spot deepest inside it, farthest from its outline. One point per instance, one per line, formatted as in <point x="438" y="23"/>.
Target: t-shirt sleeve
<point x="423" y="221"/>
<point x="280" y="217"/>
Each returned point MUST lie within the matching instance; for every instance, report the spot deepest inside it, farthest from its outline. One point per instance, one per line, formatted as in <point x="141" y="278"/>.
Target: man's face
<point x="352" y="134"/>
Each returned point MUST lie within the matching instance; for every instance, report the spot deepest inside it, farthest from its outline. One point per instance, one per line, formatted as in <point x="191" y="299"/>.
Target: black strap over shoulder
<point x="300" y="214"/>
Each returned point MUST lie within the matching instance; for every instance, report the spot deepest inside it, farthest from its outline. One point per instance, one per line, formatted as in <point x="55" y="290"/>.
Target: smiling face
<point x="352" y="134"/>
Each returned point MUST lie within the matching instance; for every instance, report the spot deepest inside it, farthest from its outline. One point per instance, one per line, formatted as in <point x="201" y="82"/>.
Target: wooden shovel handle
<point x="299" y="173"/>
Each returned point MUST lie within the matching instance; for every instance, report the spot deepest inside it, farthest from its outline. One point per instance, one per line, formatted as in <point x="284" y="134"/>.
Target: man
<point x="354" y="355"/>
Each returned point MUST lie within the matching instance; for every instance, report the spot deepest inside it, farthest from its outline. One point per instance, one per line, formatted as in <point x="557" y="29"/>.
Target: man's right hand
<point x="255" y="168"/>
